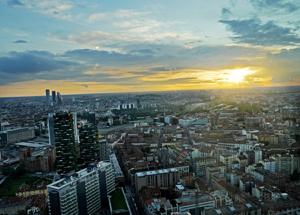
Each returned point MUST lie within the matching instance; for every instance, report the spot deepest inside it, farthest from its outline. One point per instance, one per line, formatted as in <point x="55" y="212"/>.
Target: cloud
<point x="141" y="25"/>
<point x="108" y="58"/>
<point x="117" y="15"/>
<point x="167" y="56"/>
<point x="97" y="17"/>
<point x="25" y="65"/>
<point x="142" y="52"/>
<point x="163" y="68"/>
<point x="150" y="64"/>
<point x="132" y="26"/>
<point x="133" y="33"/>
<point x="226" y="13"/>
<point x="30" y="62"/>
<point x="14" y="3"/>
<point x="255" y="32"/>
<point x="54" y="8"/>
<point x="20" y="41"/>
<point x="195" y="75"/>
<point x="287" y="6"/>
<point x="284" y="66"/>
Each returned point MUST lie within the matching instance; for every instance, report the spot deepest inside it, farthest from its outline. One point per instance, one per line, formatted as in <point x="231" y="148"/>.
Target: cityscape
<point x="197" y="152"/>
<point x="142" y="107"/>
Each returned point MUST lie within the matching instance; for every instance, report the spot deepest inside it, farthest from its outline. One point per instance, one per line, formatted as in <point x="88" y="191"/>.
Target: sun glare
<point x="237" y="75"/>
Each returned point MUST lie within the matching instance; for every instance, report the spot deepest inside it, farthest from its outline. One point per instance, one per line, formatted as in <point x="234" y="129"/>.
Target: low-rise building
<point x="16" y="135"/>
<point x="162" y="178"/>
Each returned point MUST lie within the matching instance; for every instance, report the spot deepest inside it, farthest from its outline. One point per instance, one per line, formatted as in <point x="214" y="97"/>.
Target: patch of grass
<point x="118" y="200"/>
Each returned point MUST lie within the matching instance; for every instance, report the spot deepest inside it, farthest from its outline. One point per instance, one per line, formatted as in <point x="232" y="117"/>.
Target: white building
<point x="81" y="192"/>
<point x="287" y="163"/>
<point x="106" y="170"/>
<point x="257" y="154"/>
<point x="269" y="164"/>
<point x="162" y="178"/>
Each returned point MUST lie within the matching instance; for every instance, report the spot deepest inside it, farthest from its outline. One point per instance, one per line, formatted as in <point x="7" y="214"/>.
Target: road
<point x="118" y="140"/>
<point x="131" y="201"/>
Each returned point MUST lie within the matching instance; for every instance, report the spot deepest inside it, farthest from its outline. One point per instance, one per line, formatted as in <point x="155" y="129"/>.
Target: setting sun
<point x="237" y="75"/>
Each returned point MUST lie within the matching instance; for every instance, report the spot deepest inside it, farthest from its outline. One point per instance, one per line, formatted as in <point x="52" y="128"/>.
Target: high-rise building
<point x="64" y="142"/>
<point x="47" y="95"/>
<point x="257" y="154"/>
<point x="138" y="104"/>
<point x="103" y="147"/>
<point x="107" y="180"/>
<point x="88" y="138"/>
<point x="53" y="96"/>
<point x="59" y="98"/>
<point x="50" y="123"/>
<point x="76" y="130"/>
<point x="81" y="192"/>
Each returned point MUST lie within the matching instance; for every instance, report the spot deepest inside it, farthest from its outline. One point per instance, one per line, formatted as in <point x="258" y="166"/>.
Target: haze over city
<point x="81" y="47"/>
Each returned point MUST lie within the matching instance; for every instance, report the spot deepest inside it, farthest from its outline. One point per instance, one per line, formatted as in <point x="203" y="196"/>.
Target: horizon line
<point x="155" y="91"/>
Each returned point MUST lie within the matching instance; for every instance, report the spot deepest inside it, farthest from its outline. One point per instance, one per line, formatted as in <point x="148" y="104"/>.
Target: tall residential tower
<point x="88" y="144"/>
<point x="47" y="91"/>
<point x="64" y="142"/>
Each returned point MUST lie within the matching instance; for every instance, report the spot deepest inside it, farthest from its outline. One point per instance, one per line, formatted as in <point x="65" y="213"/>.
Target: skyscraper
<point x="103" y="147"/>
<point x="88" y="138"/>
<point x="76" y="132"/>
<point x="59" y="98"/>
<point x="53" y="96"/>
<point x="64" y="142"/>
<point x="107" y="180"/>
<point x="50" y="123"/>
<point x="47" y="95"/>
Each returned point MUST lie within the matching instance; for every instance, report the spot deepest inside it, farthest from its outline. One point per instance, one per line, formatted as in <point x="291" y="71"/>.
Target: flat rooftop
<point x="76" y="176"/>
<point x="32" y="145"/>
<point x="192" y="198"/>
<point x="155" y="172"/>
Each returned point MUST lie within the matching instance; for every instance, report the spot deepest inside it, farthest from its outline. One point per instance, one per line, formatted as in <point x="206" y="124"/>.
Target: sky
<point x="100" y="46"/>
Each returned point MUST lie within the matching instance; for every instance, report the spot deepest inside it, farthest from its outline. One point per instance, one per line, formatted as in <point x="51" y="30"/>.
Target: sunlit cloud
<point x="237" y="75"/>
<point x="81" y="47"/>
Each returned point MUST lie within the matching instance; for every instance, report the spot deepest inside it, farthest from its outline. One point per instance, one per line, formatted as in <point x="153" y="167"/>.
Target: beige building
<point x="163" y="178"/>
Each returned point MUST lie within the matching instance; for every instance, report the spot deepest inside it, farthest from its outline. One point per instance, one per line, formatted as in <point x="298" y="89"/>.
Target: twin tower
<point x="76" y="141"/>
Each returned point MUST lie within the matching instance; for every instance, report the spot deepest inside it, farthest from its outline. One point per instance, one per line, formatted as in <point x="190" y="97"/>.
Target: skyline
<point x="135" y="46"/>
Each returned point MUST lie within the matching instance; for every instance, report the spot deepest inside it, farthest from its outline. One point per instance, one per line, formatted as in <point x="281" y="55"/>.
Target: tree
<point x="20" y="170"/>
<point x="8" y="171"/>
<point x="295" y="176"/>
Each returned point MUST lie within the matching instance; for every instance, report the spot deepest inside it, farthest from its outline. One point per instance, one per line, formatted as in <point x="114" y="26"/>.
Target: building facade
<point x="63" y="134"/>
<point x="16" y="135"/>
<point x="81" y="192"/>
<point x="163" y="178"/>
<point x="88" y="144"/>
